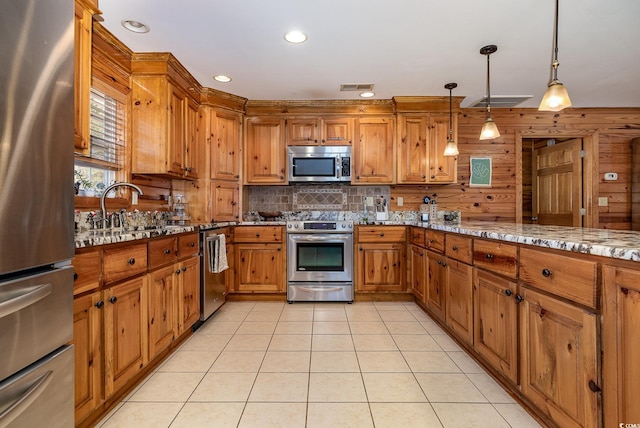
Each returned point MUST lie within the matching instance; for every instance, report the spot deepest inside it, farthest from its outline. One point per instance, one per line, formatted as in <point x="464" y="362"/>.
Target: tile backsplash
<point x="319" y="197"/>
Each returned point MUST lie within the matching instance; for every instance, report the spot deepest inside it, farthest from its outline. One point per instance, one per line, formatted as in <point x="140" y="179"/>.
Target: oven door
<point x="320" y="257"/>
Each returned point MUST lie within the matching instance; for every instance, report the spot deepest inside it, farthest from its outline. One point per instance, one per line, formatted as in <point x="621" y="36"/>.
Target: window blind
<point x="107" y="128"/>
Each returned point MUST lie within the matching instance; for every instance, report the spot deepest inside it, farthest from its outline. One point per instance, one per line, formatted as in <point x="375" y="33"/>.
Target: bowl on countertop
<point x="269" y="215"/>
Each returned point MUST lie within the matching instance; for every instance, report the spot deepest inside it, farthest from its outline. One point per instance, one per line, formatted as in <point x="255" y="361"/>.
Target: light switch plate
<point x="134" y="198"/>
<point x="369" y="200"/>
<point x="610" y="176"/>
<point x="603" y="201"/>
<point x="400" y="201"/>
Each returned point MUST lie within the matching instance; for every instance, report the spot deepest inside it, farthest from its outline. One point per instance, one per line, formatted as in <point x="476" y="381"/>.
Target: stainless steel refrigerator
<point x="36" y="213"/>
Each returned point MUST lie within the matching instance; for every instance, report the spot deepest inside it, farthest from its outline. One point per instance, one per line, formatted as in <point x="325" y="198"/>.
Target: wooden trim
<point x="519" y="197"/>
<point x="324" y="107"/>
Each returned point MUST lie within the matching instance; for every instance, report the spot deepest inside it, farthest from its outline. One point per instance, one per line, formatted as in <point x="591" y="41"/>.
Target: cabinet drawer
<point x="86" y="268"/>
<point x="228" y="234"/>
<point x="122" y="262"/>
<point x="381" y="234"/>
<point x="258" y="234"/>
<point x="187" y="245"/>
<point x="496" y="256"/>
<point x="435" y="240"/>
<point x="162" y="251"/>
<point x="564" y="276"/>
<point x="417" y="236"/>
<point x="460" y="248"/>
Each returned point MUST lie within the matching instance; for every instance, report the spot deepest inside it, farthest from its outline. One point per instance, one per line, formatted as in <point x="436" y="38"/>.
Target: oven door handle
<point x="320" y="288"/>
<point x="338" y="237"/>
<point x="27" y="398"/>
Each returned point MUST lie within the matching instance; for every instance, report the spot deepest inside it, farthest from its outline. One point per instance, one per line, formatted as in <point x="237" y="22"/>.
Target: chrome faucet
<point x="104" y="195"/>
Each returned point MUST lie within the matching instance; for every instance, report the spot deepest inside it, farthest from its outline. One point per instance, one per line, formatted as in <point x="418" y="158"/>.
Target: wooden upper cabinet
<point x="265" y="160"/>
<point x="225" y="145"/>
<point x="164" y="120"/>
<point x="320" y="131"/>
<point x="84" y="11"/>
<point x="373" y="154"/>
<point x="225" y="201"/>
<point x="421" y="143"/>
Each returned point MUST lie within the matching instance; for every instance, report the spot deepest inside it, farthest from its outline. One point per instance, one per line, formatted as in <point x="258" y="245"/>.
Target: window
<point x="107" y="138"/>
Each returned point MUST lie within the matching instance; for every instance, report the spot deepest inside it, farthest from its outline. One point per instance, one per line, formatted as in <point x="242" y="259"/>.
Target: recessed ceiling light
<point x="367" y="94"/>
<point x="222" y="78"/>
<point x="135" y="26"/>
<point x="295" y="37"/>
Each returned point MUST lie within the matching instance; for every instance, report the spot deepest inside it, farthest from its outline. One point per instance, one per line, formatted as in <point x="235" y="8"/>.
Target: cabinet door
<point x="337" y="131"/>
<point x="442" y="169"/>
<point x="260" y="267"/>
<point x="373" y="153"/>
<point x="189" y="293"/>
<point x="176" y="130"/>
<point x="87" y="340"/>
<point x="224" y="199"/>
<point x="381" y="267"/>
<point x="303" y="132"/>
<point x="495" y="327"/>
<point x="265" y="151"/>
<point x="82" y="75"/>
<point x="559" y="359"/>
<point x="125" y="332"/>
<point x="459" y="299"/>
<point x="419" y="268"/>
<point x="230" y="274"/>
<point x="621" y="345"/>
<point x="436" y="284"/>
<point x="412" y="149"/>
<point x="162" y="305"/>
<point x="192" y="144"/>
<point x="225" y="147"/>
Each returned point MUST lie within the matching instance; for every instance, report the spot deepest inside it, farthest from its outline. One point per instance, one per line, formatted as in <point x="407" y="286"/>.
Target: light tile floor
<point x="272" y="364"/>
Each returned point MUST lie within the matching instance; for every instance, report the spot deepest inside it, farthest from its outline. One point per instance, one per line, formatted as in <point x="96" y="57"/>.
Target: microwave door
<point x="313" y="168"/>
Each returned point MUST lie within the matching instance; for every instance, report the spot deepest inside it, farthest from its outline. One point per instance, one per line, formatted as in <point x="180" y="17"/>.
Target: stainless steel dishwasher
<point x="212" y="285"/>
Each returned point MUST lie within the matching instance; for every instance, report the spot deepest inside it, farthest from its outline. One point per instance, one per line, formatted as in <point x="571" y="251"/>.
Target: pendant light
<point x="489" y="129"/>
<point x="452" y="148"/>
<point x="556" y="97"/>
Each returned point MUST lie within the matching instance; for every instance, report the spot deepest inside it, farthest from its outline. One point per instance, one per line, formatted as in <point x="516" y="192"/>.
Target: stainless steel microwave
<point x="310" y="164"/>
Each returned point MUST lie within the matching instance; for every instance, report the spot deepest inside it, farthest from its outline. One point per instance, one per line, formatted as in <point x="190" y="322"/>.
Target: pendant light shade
<point x="489" y="129"/>
<point x="556" y="97"/>
<point x="451" y="148"/>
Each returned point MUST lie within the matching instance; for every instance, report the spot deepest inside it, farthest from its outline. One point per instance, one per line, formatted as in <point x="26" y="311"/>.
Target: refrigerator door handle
<point x="29" y="396"/>
<point x="26" y="299"/>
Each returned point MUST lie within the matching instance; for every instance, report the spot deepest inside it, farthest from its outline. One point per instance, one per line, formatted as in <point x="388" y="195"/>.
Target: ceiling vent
<point x="502" y="101"/>
<point x="357" y="87"/>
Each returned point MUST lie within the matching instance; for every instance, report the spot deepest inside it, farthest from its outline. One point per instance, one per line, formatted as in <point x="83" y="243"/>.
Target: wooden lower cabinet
<point x="87" y="341"/>
<point x="495" y="334"/>
<point x="260" y="268"/>
<point x="381" y="267"/>
<point x="436" y="284"/>
<point x="621" y="346"/>
<point x="188" y="293"/>
<point x="230" y="274"/>
<point x="558" y="357"/>
<point x="459" y="299"/>
<point x="418" y="273"/>
<point x="125" y="331"/>
<point x="162" y="308"/>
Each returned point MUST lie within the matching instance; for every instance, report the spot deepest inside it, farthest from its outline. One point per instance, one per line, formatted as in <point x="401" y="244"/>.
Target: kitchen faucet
<point x="104" y="195"/>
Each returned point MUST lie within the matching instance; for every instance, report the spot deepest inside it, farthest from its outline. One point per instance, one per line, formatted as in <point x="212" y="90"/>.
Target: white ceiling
<point x="404" y="47"/>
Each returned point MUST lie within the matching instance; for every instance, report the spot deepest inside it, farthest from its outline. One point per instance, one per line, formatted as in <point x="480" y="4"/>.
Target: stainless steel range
<point x="320" y="261"/>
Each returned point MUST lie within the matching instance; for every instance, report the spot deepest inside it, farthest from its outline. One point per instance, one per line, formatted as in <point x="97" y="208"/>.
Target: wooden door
<point x="87" y="341"/>
<point x="442" y="169"/>
<point x="621" y="345"/>
<point x="412" y="149"/>
<point x="436" y="284"/>
<point x="557" y="184"/>
<point x="558" y="355"/>
<point x="265" y="155"/>
<point x="225" y="147"/>
<point x="495" y="327"/>
<point x="176" y="130"/>
<point x="125" y="332"/>
<point x="260" y="268"/>
<point x="303" y="132"/>
<point x="459" y="299"/>
<point x="188" y="293"/>
<point x="337" y="131"/>
<point x="162" y="302"/>
<point x="193" y="162"/>
<point x="373" y="154"/>
<point x="380" y="267"/>
<point x="224" y="197"/>
<point x="418" y="273"/>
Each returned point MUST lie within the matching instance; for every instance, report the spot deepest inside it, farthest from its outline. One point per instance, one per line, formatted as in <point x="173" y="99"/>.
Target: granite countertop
<point x="92" y="238"/>
<point x="617" y="244"/>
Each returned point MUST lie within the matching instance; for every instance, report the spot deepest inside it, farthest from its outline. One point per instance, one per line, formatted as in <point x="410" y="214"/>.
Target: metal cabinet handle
<point x="594" y="386"/>
<point x="519" y="298"/>
<point x="113" y="299"/>
<point x="99" y="304"/>
<point x="454" y="248"/>
<point x="75" y="276"/>
<point x="192" y="244"/>
<point x="382" y="234"/>
<point x="546" y="273"/>
<point x="508" y="292"/>
<point x="184" y="268"/>
<point x="489" y="256"/>
<point x="177" y="271"/>
<point x="444" y="264"/>
<point x="431" y="241"/>
<point x="131" y="261"/>
<point x="167" y="251"/>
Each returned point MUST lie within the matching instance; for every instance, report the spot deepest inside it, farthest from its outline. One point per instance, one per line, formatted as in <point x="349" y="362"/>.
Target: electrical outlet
<point x="134" y="198"/>
<point x="369" y="200"/>
<point x="610" y="176"/>
<point x="603" y="201"/>
<point x="400" y="201"/>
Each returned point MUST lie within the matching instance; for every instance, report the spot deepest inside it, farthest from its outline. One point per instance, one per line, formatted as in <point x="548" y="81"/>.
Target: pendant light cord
<point x="555" y="44"/>
<point x="488" y="90"/>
